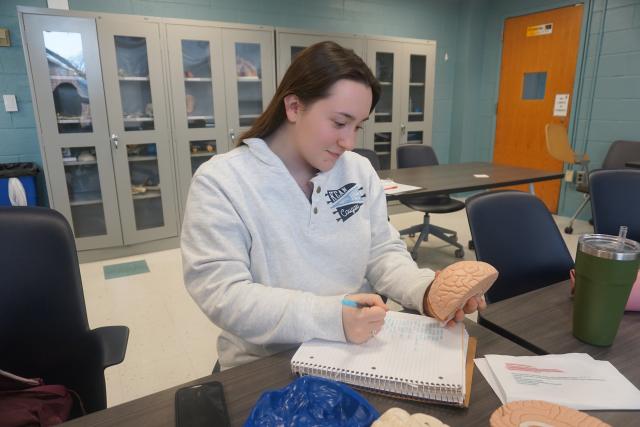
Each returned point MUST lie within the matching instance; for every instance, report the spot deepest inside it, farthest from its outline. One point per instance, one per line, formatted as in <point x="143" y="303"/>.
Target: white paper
<point x="487" y="373"/>
<point x="561" y="105"/>
<point x="575" y="380"/>
<point x="485" y="370"/>
<point x="392" y="187"/>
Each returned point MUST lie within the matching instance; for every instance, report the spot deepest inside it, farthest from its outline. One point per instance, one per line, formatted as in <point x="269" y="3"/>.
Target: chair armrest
<point x="113" y="342"/>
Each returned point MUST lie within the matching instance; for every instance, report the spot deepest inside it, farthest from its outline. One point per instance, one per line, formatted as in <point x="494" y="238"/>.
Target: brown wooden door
<point x="539" y="55"/>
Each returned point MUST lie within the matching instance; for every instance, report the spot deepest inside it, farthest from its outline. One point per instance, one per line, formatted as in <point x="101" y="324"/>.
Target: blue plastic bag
<point x="312" y="401"/>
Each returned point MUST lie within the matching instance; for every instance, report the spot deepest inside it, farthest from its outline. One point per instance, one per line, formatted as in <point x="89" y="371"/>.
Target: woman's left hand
<point x="475" y="303"/>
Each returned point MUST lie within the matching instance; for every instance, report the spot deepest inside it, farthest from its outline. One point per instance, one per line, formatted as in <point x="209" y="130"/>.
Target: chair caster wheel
<point x="459" y="253"/>
<point x="472" y="245"/>
<point x="568" y="230"/>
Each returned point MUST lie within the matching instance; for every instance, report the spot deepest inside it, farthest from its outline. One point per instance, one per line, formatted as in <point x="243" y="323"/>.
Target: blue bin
<point x="26" y="174"/>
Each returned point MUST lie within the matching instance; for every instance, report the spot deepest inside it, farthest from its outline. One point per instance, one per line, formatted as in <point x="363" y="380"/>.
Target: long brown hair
<point x="309" y="77"/>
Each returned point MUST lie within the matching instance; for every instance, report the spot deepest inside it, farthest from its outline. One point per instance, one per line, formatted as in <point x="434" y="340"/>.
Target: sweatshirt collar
<point x="259" y="148"/>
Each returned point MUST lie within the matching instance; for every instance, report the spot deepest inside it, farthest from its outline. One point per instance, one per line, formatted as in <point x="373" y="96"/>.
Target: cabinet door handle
<point x="232" y="134"/>
<point x="115" y="140"/>
<point x="403" y="128"/>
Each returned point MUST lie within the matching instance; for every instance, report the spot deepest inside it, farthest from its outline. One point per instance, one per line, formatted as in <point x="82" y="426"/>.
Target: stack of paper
<point x="392" y="187"/>
<point x="575" y="380"/>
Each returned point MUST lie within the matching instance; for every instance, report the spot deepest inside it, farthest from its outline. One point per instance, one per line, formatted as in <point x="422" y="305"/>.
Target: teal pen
<point x="351" y="303"/>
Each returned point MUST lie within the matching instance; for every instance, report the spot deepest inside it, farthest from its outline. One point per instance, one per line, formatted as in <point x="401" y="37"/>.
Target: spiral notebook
<point x="412" y="357"/>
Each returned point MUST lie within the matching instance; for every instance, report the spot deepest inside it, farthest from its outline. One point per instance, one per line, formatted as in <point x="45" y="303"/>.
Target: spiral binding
<point x="420" y="390"/>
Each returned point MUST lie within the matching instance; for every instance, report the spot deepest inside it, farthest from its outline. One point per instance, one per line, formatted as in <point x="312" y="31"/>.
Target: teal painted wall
<point x="18" y="135"/>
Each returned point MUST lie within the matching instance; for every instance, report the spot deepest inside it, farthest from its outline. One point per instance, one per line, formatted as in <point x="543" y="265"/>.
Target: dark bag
<point x="28" y="402"/>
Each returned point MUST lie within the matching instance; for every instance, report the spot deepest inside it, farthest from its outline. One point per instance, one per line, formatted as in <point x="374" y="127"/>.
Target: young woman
<point x="280" y="229"/>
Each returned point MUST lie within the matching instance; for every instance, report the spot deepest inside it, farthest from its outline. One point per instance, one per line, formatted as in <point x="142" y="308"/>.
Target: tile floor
<point x="171" y="341"/>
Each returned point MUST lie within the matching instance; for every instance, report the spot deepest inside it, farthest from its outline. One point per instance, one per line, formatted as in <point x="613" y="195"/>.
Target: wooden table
<point x="457" y="178"/>
<point x="244" y="385"/>
<point x="543" y="320"/>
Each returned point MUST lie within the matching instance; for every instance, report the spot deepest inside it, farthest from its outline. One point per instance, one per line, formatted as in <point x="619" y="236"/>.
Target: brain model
<point x="456" y="284"/>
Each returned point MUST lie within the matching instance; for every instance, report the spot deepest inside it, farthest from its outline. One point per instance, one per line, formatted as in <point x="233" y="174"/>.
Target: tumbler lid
<point x="609" y="247"/>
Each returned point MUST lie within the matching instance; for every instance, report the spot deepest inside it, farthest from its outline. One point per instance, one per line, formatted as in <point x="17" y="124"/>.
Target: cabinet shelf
<point x="69" y="120"/>
<point x="199" y="117"/>
<point x="382" y="114"/>
<point x="249" y="116"/>
<point x="133" y="79"/>
<point x="78" y="162"/>
<point x="247" y="79"/>
<point x="85" y="198"/>
<point x="142" y="158"/>
<point x="63" y="77"/>
<point x="150" y="194"/>
<point x="198" y="79"/>
<point x="416" y="113"/>
<point x="203" y="154"/>
<point x="138" y="119"/>
<point x="386" y="83"/>
<point x="383" y="153"/>
<point x="416" y="83"/>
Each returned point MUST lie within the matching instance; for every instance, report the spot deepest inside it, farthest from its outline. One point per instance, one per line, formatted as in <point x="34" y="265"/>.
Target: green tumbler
<point x="606" y="267"/>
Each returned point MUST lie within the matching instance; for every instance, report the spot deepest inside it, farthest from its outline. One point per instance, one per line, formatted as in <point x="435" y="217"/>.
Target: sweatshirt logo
<point x="346" y="200"/>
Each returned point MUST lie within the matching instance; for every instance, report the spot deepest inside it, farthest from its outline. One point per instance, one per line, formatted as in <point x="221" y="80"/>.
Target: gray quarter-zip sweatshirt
<point x="270" y="267"/>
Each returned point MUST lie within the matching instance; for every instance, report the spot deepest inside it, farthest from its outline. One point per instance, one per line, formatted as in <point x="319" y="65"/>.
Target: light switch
<point x="10" y="104"/>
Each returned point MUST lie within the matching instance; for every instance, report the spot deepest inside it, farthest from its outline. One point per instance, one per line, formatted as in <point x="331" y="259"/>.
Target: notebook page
<point x="409" y="347"/>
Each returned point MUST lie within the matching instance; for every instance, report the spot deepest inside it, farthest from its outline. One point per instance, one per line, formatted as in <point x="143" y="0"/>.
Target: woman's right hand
<point x="362" y="324"/>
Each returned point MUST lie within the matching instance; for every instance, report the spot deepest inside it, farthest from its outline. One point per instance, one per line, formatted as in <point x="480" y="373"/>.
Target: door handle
<point x="403" y="128"/>
<point x="232" y="134"/>
<point x="115" y="140"/>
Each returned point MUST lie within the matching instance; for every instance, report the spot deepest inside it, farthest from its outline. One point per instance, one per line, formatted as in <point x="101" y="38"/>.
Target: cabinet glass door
<point x="418" y="105"/>
<point x="197" y="77"/>
<point x="67" y="82"/>
<point x="139" y="128"/>
<point x="382" y="132"/>
<point x="249" y="70"/>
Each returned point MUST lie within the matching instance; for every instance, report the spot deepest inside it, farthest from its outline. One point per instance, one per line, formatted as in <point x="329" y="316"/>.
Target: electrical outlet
<point x="581" y="177"/>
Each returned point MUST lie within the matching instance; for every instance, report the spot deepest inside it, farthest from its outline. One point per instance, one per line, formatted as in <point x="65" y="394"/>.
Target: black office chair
<point x="415" y="155"/>
<point x="514" y="232"/>
<point x="371" y="155"/>
<point x="615" y="201"/>
<point x="619" y="153"/>
<point x="44" y="332"/>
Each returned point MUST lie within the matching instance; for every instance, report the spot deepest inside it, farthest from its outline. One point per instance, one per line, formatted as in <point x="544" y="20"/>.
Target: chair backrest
<point x="371" y="155"/>
<point x="415" y="155"/>
<point x="621" y="152"/>
<point x="42" y="310"/>
<point x="558" y="143"/>
<point x="514" y="232"/>
<point x="615" y="201"/>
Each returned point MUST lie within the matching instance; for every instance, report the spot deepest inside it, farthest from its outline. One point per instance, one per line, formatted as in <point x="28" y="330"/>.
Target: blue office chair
<point x="619" y="153"/>
<point x="371" y="155"/>
<point x="415" y="155"/>
<point x="615" y="201"/>
<point x="44" y="332"/>
<point x="514" y="232"/>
